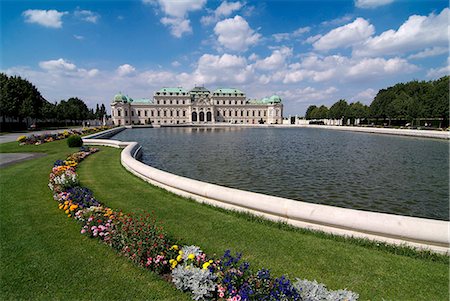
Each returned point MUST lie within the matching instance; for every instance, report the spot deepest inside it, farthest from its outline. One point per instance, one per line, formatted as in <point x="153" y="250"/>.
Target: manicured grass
<point x="44" y="256"/>
<point x="375" y="274"/>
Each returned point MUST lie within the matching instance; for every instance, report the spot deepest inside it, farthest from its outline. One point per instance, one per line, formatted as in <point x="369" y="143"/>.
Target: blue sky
<point x="308" y="52"/>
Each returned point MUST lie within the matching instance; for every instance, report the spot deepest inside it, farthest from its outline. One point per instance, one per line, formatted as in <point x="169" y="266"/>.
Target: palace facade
<point x="197" y="106"/>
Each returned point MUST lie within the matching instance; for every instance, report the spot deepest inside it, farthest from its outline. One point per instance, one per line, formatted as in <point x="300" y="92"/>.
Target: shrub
<point x="200" y="282"/>
<point x="75" y="141"/>
<point x="314" y="291"/>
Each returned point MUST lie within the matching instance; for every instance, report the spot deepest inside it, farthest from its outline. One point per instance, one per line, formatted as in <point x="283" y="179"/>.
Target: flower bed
<point x="143" y="240"/>
<point x="43" y="138"/>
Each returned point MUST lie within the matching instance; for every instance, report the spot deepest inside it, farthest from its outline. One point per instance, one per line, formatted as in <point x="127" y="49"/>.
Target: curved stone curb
<point x="395" y="229"/>
<point x="398" y="132"/>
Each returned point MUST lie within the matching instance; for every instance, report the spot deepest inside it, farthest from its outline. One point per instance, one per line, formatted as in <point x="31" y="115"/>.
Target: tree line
<point x="20" y="100"/>
<point x="405" y="102"/>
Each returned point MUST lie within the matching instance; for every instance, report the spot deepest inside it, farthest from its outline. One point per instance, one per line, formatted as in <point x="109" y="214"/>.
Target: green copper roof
<point x="196" y="90"/>
<point x="228" y="90"/>
<point x="122" y="98"/>
<point x="173" y="90"/>
<point x="142" y="100"/>
<point x="275" y="99"/>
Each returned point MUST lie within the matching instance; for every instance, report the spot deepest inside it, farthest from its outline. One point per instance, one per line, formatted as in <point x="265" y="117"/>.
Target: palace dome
<point x="274" y="99"/>
<point x="122" y="98"/>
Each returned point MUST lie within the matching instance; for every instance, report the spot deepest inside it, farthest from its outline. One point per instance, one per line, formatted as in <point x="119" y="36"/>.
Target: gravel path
<point x="11" y="158"/>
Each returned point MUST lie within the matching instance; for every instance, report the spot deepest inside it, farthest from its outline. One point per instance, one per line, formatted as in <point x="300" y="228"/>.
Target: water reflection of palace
<point x="197" y="106"/>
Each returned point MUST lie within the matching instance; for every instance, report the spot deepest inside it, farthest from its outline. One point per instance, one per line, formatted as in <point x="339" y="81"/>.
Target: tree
<point x="339" y="110"/>
<point x="309" y="111"/>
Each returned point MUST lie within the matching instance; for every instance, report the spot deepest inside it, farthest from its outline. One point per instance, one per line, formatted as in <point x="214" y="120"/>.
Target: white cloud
<point x="125" y="69"/>
<point x="59" y="64"/>
<point x="365" y="96"/>
<point x="287" y="36"/>
<point x="369" y="67"/>
<point x="417" y="33"/>
<point x="276" y="60"/>
<point x="235" y="34"/>
<point x="176" y="14"/>
<point x="337" y="21"/>
<point x="223" y="10"/>
<point x="312" y="39"/>
<point x="371" y="3"/>
<point x="341" y="68"/>
<point x="179" y="9"/>
<point x="429" y="52"/>
<point x="435" y="73"/>
<point x="345" y="36"/>
<point x="214" y="69"/>
<point x="176" y="64"/>
<point x="78" y="37"/>
<point x="86" y="15"/>
<point x="308" y="94"/>
<point x="47" y="18"/>
<point x="178" y="27"/>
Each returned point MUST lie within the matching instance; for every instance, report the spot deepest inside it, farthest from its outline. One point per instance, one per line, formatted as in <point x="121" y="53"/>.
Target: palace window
<point x="132" y="113"/>
<point x="164" y="113"/>
<point x="235" y="113"/>
<point x="184" y="113"/>
<point x="247" y="113"/>
<point x="259" y="113"/>
<point x="139" y="113"/>
<point x="158" y="112"/>
<point x="183" y="100"/>
<point x="253" y="113"/>
<point x="171" y="113"/>
<point x="157" y="102"/>
<point x="164" y="102"/>
<point x="242" y="113"/>
<point x="145" y="113"/>
<point x="218" y="113"/>
<point x="178" y="113"/>
<point x="177" y="101"/>
<point x="118" y="113"/>
<point x="224" y="102"/>
<point x="229" y="102"/>
<point x="126" y="113"/>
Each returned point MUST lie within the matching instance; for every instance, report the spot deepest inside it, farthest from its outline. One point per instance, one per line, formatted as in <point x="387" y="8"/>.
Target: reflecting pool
<point x="393" y="174"/>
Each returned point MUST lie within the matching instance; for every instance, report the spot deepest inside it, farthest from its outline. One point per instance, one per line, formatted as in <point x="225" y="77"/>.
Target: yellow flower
<point x="68" y="215"/>
<point x="171" y="261"/>
<point x="191" y="256"/>
<point x="210" y="261"/>
<point x="66" y="202"/>
<point x="60" y="206"/>
<point x="179" y="258"/>
<point x="67" y="211"/>
<point x="180" y="252"/>
<point x="73" y="207"/>
<point x="206" y="265"/>
<point x="174" y="264"/>
<point x="174" y="247"/>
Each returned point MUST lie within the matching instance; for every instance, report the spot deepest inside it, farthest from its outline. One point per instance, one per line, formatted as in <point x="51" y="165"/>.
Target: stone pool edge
<point x="415" y="232"/>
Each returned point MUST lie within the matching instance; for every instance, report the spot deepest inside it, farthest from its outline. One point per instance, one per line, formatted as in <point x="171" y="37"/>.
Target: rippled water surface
<point x="400" y="175"/>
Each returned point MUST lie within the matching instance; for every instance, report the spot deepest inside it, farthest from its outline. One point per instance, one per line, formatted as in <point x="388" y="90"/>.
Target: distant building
<point x="197" y="106"/>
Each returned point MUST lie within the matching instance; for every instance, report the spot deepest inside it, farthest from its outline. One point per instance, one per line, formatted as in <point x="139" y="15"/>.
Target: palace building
<point x="197" y="106"/>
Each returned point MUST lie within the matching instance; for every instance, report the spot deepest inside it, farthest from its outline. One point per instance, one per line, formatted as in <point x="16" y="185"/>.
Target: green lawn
<point x="43" y="254"/>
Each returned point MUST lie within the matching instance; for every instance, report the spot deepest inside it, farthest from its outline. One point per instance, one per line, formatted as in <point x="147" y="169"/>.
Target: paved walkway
<point x="13" y="136"/>
<point x="11" y="158"/>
